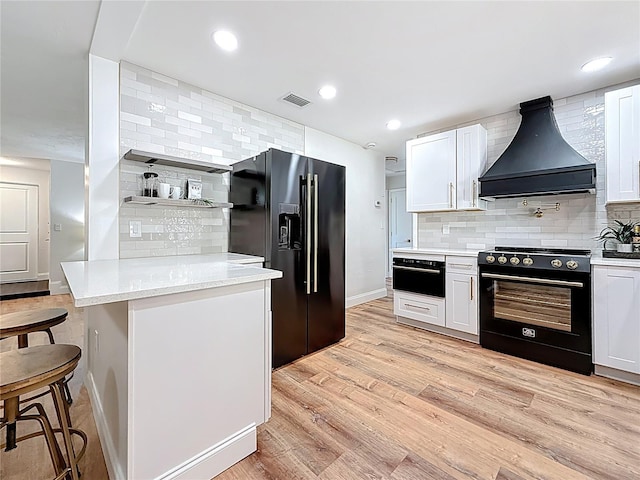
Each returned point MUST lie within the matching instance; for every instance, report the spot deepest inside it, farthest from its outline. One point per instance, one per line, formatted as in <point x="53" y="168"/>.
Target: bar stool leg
<point x="10" y="415"/>
<point x="57" y="459"/>
<point x="62" y="410"/>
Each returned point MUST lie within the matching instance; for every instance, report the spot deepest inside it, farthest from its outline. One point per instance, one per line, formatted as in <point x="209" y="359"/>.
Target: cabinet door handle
<point x="471" y="287"/>
<point x="450" y="194"/>
<point x="474" y="193"/>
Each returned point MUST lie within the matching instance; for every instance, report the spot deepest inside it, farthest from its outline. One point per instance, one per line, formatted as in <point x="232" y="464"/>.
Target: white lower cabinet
<point x="616" y="317"/>
<point x="422" y="308"/>
<point x="456" y="314"/>
<point x="461" y="291"/>
<point x="462" y="302"/>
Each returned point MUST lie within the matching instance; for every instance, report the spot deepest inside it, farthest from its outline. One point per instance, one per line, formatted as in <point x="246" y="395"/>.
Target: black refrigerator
<point x="290" y="209"/>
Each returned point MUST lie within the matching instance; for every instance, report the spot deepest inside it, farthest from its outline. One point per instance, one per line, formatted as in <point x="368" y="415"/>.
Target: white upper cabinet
<point x="622" y="145"/>
<point x="443" y="170"/>
<point x="431" y="172"/>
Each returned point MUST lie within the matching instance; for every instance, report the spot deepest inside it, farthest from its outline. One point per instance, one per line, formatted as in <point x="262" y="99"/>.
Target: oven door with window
<point x="541" y="315"/>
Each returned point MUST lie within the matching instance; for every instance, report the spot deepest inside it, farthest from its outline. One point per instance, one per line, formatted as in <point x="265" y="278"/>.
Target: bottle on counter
<point x="635" y="240"/>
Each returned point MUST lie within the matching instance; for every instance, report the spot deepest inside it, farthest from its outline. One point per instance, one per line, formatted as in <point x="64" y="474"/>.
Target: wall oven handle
<point x="308" y="233"/>
<point x="414" y="269"/>
<point x="542" y="281"/>
<point x="315" y="233"/>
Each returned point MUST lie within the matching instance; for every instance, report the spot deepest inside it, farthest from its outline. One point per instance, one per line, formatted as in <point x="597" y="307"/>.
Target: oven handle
<point x="414" y="269"/>
<point x="542" y="281"/>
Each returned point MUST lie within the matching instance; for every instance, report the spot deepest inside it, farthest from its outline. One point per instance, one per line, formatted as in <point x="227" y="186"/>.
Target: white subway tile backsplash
<point x="133" y="118"/>
<point x="164" y="115"/>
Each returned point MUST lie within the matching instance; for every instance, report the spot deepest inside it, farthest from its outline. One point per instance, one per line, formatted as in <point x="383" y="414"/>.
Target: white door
<point x="461" y="308"/>
<point x="400" y="222"/>
<point x="431" y="172"/>
<point x="616" y="311"/>
<point x="622" y="144"/>
<point x="18" y="232"/>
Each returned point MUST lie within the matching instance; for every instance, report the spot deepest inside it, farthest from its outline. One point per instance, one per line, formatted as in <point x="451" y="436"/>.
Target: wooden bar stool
<point x="21" y="324"/>
<point x="25" y="370"/>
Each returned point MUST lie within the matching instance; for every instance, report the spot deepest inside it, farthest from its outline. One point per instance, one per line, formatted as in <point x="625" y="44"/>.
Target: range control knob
<point x="527" y="262"/>
<point x="490" y="258"/>
<point x="555" y="263"/>
<point x="514" y="260"/>
<point x="572" y="264"/>
<point x="502" y="259"/>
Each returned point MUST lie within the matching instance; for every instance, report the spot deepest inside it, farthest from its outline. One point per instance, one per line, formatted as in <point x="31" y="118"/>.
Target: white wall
<point x="33" y="172"/>
<point x="396" y="181"/>
<point x="365" y="232"/>
<point x="102" y="160"/>
<point x="67" y="210"/>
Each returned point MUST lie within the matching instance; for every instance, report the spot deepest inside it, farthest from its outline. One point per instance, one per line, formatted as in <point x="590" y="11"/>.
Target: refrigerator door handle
<point x="315" y="232"/>
<point x="308" y="233"/>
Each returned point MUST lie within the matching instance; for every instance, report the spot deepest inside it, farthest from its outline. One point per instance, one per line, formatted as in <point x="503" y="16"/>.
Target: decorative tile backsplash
<point x="162" y="115"/>
<point x="507" y="221"/>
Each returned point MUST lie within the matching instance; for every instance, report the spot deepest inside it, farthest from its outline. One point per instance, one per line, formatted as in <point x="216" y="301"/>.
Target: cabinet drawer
<point x="467" y="265"/>
<point x="419" y="307"/>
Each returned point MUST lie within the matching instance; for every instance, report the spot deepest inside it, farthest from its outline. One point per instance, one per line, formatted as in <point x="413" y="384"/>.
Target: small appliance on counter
<point x="149" y="183"/>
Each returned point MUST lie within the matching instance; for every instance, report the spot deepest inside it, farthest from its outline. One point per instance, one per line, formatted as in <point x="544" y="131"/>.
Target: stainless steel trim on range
<point x="541" y="281"/>
<point x="426" y="277"/>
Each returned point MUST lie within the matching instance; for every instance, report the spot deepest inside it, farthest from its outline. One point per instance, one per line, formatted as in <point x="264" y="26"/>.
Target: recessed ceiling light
<point x="327" y="92"/>
<point x="596" y="64"/>
<point x="393" y="124"/>
<point x="370" y="145"/>
<point x="225" y="40"/>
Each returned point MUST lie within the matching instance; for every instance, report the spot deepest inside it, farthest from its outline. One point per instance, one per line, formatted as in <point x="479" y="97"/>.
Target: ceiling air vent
<point x="296" y="100"/>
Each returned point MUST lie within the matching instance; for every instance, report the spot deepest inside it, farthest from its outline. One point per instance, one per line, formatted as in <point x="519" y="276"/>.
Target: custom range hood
<point x="538" y="161"/>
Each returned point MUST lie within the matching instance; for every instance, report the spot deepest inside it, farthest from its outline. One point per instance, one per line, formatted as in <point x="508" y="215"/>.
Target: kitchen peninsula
<point x="178" y="360"/>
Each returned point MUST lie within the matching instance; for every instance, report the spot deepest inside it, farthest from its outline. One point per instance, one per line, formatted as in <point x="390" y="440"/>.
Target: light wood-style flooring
<point x="393" y="402"/>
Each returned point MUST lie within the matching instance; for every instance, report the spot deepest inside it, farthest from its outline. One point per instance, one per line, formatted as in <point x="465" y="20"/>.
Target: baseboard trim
<point x="43" y="276"/>
<point x="469" y="337"/>
<point x="114" y="469"/>
<point x="615" y="374"/>
<point x="366" y="297"/>
<point x="217" y="458"/>
<point x="58" y="288"/>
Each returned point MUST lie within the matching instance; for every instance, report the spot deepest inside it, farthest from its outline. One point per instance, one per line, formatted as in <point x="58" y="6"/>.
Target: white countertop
<point x="614" y="262"/>
<point x="106" y="281"/>
<point x="438" y="251"/>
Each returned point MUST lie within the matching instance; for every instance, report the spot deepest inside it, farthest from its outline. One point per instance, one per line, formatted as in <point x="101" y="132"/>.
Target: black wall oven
<point x="536" y="304"/>
<point x="426" y="277"/>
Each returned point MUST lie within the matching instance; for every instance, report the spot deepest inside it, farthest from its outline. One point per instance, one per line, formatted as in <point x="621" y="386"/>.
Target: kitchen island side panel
<point x="196" y="380"/>
<point x="106" y="337"/>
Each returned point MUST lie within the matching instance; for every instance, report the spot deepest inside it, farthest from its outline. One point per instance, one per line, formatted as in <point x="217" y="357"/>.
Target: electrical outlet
<point x="135" y="229"/>
<point x="445" y="229"/>
<point x="57" y="227"/>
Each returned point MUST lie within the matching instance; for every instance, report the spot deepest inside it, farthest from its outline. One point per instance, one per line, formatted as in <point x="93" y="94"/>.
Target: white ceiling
<point x="429" y="64"/>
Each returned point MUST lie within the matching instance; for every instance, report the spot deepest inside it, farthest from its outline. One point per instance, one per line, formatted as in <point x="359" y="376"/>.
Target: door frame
<point x="389" y="223"/>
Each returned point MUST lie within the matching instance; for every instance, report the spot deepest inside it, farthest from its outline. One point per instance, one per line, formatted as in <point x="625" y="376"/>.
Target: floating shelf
<point x="170" y="161"/>
<point x="170" y="202"/>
